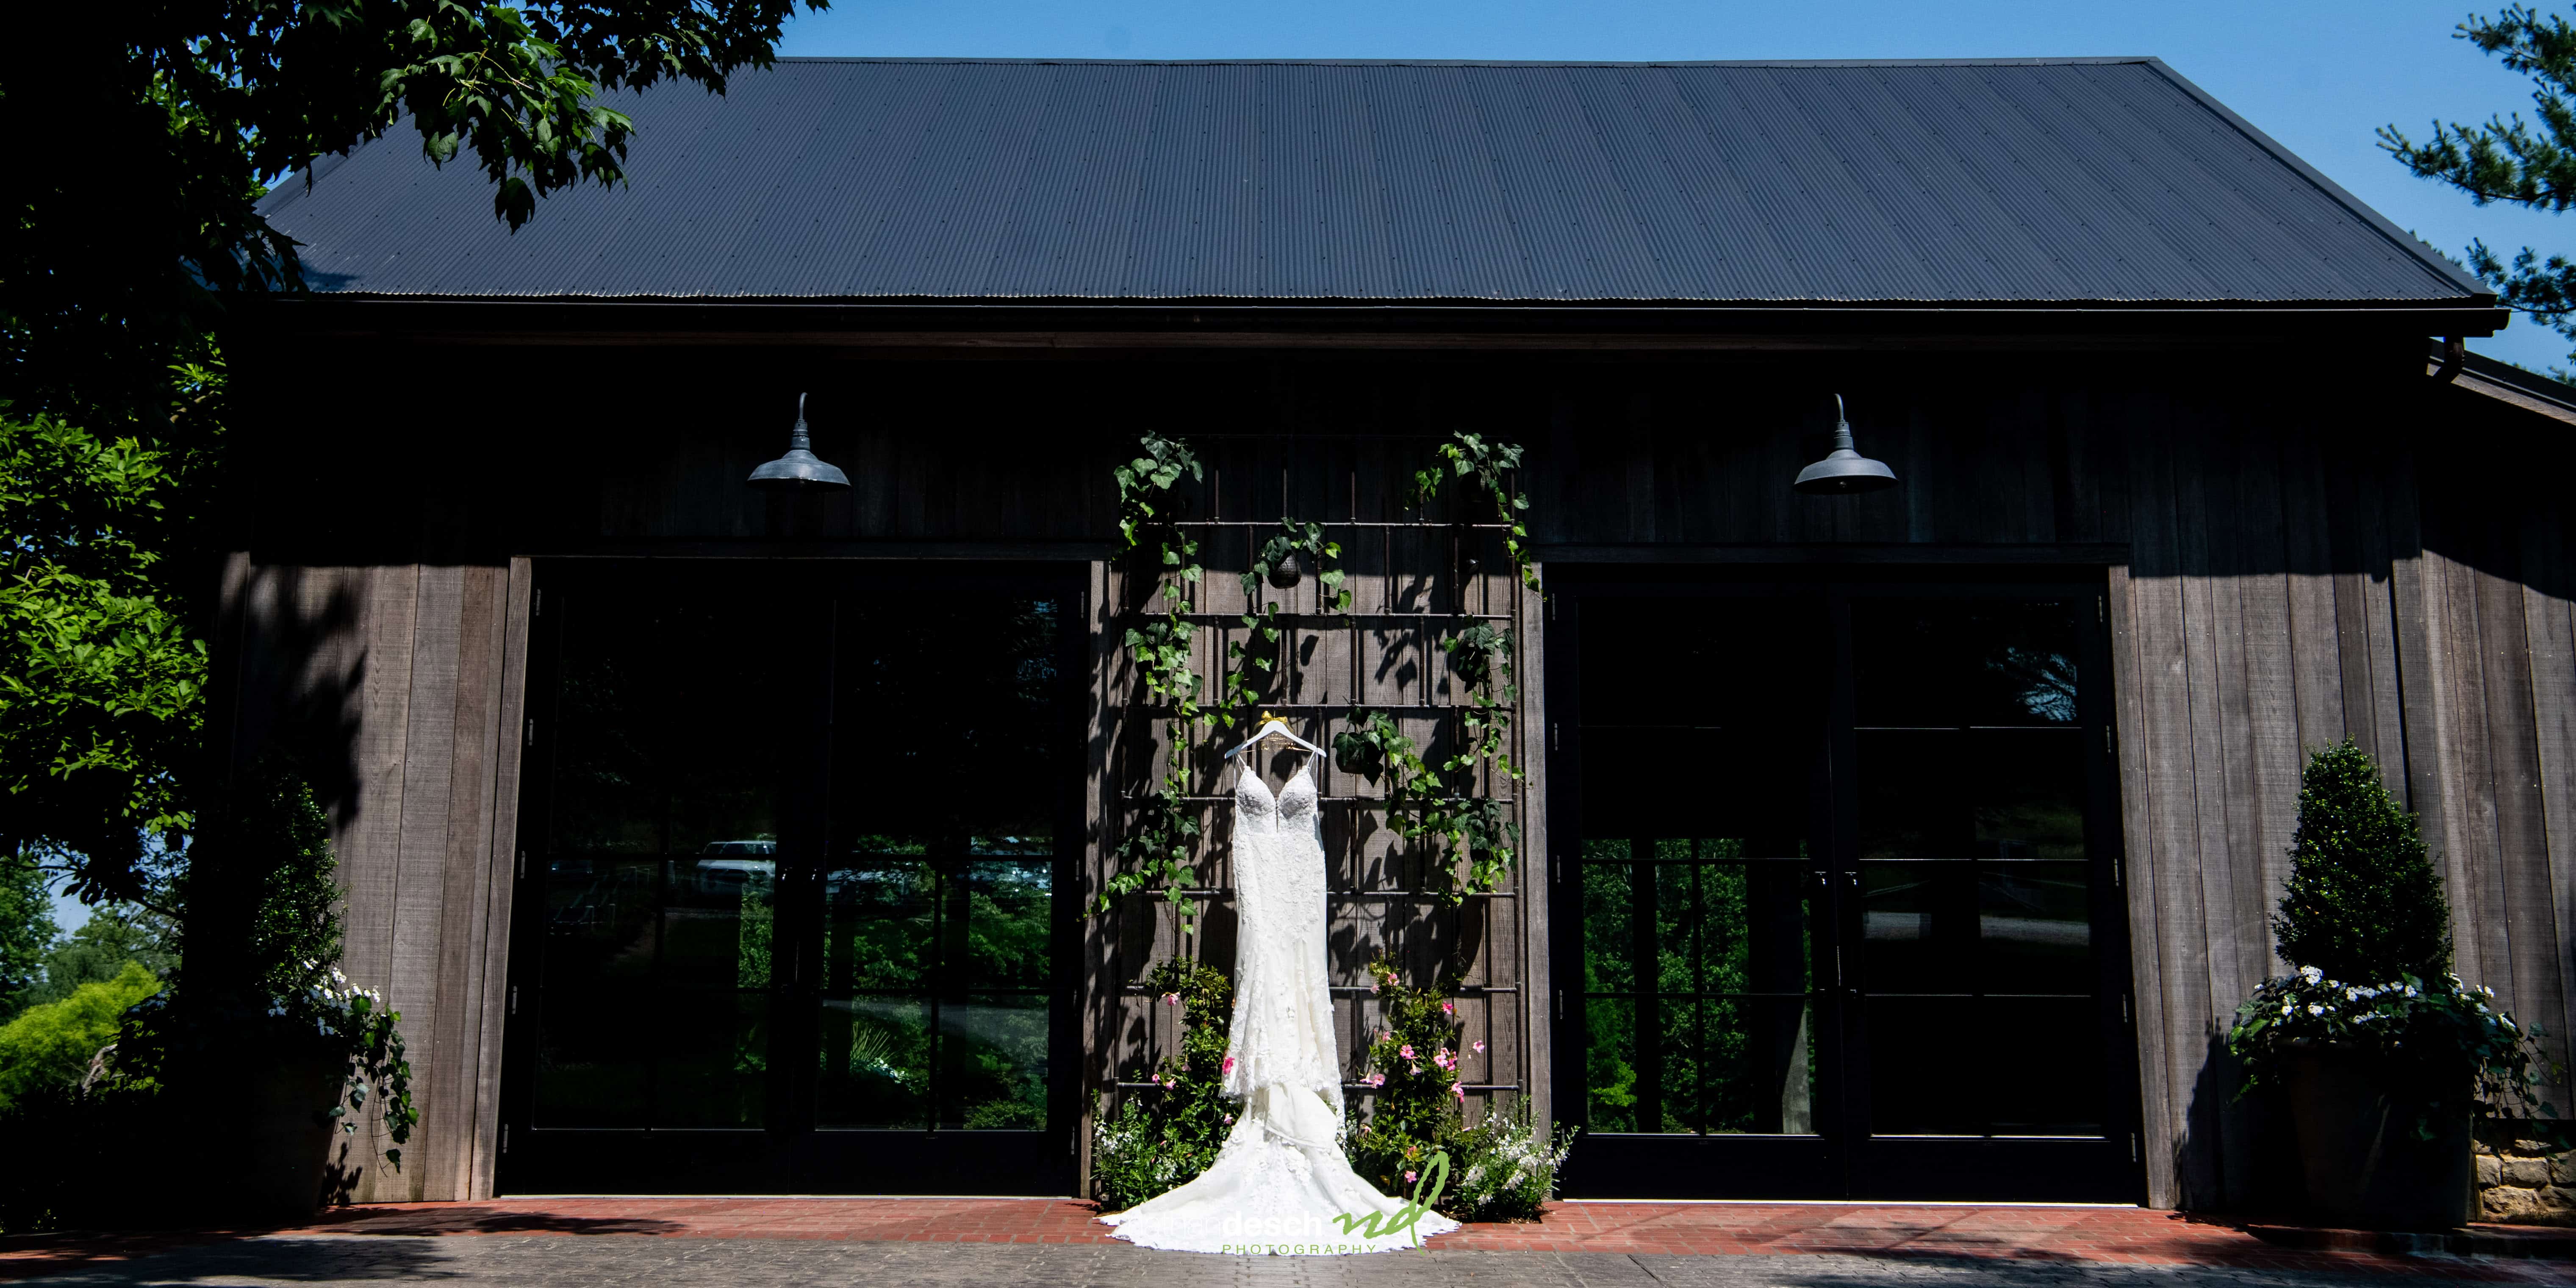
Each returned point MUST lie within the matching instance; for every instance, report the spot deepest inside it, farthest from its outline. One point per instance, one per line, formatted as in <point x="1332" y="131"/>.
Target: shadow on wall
<point x="297" y="638"/>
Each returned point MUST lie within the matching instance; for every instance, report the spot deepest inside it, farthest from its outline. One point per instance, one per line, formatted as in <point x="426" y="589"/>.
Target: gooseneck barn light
<point x="798" y="470"/>
<point x="1843" y="471"/>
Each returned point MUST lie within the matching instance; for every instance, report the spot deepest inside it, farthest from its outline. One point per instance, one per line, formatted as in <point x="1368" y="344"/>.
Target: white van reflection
<point x="737" y="866"/>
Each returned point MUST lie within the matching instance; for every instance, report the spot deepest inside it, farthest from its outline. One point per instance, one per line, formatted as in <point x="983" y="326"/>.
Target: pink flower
<point x="1229" y="1118"/>
<point x="1408" y="1176"/>
<point x="1458" y="1089"/>
<point x="1372" y="986"/>
<point x="1386" y="1035"/>
<point x="1229" y="1068"/>
<point x="1377" y="1080"/>
<point x="1447" y="1009"/>
<point x="1417" y="1068"/>
<point x="1406" y="1050"/>
<point x="1171" y="999"/>
<point x="1480" y="1046"/>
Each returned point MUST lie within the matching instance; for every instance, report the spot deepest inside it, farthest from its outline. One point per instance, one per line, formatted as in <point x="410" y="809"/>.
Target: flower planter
<point x="275" y="1137"/>
<point x="2366" y="1167"/>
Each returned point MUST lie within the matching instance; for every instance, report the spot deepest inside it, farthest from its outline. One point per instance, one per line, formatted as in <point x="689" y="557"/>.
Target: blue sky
<point x="2317" y="76"/>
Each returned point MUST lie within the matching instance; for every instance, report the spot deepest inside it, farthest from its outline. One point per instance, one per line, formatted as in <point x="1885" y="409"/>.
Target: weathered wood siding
<point x="392" y="684"/>
<point x="2291" y="560"/>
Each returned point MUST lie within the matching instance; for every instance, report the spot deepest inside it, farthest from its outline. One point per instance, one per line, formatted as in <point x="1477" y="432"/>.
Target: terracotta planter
<point x="2366" y="1167"/>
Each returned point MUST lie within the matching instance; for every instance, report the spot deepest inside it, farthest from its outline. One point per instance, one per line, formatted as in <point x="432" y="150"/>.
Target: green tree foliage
<point x="263" y="910"/>
<point x="2363" y="903"/>
<point x="2512" y="160"/>
<point x="50" y="1046"/>
<point x="101" y="683"/>
<point x="114" y="936"/>
<point x="26" y="929"/>
<point x="141" y="137"/>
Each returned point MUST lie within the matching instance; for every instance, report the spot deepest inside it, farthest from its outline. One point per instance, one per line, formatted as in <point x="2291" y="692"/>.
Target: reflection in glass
<point x="1961" y="794"/>
<point x="654" y="750"/>
<point x="2034" y="930"/>
<point x="654" y="1010"/>
<point x="1976" y="921"/>
<point x="995" y="1049"/>
<point x="1721" y="1037"/>
<point x="1956" y="663"/>
<point x="938" y="957"/>
<point x="874" y="1064"/>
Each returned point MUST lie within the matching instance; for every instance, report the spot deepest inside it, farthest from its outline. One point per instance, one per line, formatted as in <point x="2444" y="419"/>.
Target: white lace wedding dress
<point x="1281" y="1178"/>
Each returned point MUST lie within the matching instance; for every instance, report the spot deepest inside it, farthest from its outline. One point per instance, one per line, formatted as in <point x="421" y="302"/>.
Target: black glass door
<point x="795" y="847"/>
<point x="1842" y="855"/>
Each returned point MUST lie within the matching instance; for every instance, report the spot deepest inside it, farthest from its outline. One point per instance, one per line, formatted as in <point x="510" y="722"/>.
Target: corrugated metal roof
<point x="2102" y="180"/>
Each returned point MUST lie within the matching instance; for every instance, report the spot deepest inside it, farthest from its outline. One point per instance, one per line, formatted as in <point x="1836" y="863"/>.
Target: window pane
<point x="1963" y="794"/>
<point x="1954" y="662"/>
<point x="877" y="926"/>
<point x="2007" y="1067"/>
<point x="600" y="920"/>
<point x="1610" y="1070"/>
<point x="1759" y="1065"/>
<point x="591" y="1071"/>
<point x="993" y="1057"/>
<point x="2034" y="928"/>
<point x="711" y="1062"/>
<point x="1919" y="927"/>
<point x="2043" y="1066"/>
<point x="1928" y="1074"/>
<point x="874" y="1065"/>
<point x="657" y="746"/>
<point x="1007" y="908"/>
<point x="1609" y="942"/>
<point x="716" y="922"/>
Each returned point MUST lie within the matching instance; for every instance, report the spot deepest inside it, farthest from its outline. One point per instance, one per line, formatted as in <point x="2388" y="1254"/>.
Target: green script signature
<point x="1374" y="1225"/>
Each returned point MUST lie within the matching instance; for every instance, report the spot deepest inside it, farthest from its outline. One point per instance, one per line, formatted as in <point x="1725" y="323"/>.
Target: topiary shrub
<point x="2363" y="901"/>
<point x="1162" y="1138"/>
<point x="2364" y="921"/>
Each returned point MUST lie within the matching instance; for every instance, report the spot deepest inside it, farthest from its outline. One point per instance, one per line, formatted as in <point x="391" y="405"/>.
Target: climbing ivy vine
<point x="1476" y="837"/>
<point x="1158" y="844"/>
<point x="1473" y="456"/>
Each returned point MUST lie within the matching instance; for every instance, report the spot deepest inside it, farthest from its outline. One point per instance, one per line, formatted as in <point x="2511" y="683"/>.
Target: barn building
<point x="1905" y="843"/>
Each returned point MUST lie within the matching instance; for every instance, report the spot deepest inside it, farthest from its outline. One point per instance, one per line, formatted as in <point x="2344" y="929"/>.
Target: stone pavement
<point x="536" y="1261"/>
<point x="1049" y="1241"/>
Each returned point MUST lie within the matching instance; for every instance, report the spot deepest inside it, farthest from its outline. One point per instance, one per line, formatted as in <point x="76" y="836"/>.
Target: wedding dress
<point x="1280" y="1179"/>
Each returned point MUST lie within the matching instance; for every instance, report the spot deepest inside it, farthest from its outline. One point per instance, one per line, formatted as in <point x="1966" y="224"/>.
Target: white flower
<point x="2314" y="1009"/>
<point x="2311" y="974"/>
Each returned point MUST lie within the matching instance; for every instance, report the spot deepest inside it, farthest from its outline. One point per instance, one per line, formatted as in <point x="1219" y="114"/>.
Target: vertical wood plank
<point x="491" y="996"/>
<point x="2160" y="776"/>
<point x="2162" y="1102"/>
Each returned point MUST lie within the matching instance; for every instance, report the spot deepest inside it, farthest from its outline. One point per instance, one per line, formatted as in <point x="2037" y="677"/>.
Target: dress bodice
<point x="1256" y="808"/>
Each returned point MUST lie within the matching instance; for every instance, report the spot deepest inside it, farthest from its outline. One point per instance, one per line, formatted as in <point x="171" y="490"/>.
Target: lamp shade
<point x="1844" y="470"/>
<point x="799" y="470"/>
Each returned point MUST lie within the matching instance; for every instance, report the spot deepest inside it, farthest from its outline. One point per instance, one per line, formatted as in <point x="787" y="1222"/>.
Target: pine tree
<point x="2363" y="903"/>
<point x="2508" y="160"/>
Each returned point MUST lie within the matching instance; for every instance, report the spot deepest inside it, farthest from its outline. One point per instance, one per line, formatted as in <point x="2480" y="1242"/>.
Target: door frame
<point x="1842" y="1161"/>
<point x="789" y="1155"/>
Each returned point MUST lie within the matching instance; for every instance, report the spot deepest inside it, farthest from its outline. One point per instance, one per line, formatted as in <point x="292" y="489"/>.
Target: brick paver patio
<point x="2066" y="1237"/>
